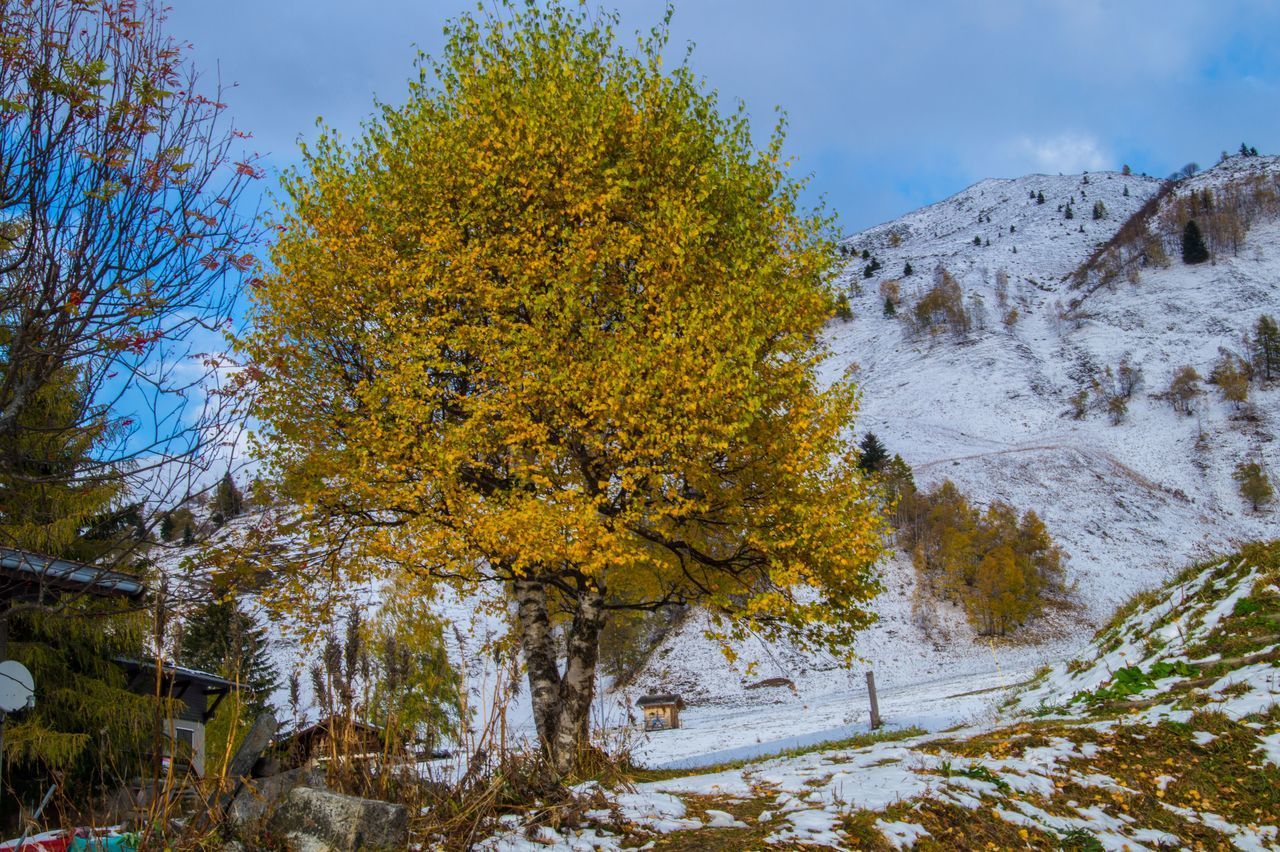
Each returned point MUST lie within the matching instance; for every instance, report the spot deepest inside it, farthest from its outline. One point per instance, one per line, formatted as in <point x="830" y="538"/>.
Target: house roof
<point x="325" y="724"/>
<point x="26" y="568"/>
<point x="181" y="675"/>
<point x="178" y="681"/>
<point x="661" y="699"/>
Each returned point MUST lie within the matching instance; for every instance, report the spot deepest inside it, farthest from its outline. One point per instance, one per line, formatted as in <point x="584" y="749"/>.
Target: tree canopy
<point x="554" y="323"/>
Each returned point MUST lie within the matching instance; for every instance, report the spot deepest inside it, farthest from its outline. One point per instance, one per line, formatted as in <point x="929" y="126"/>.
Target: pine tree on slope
<point x="872" y="454"/>
<point x="1193" y="248"/>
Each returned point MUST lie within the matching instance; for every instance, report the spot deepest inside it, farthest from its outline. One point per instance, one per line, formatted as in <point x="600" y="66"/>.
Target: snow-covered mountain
<point x="992" y="410"/>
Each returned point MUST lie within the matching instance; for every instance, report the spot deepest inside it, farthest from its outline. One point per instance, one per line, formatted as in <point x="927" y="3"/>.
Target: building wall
<point x="658" y="718"/>
<point x="185" y="730"/>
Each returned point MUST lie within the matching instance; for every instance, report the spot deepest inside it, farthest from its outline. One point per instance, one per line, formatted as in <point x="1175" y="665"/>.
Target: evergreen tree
<point x="167" y="527"/>
<point x="1070" y="214"/>
<point x="58" y="500"/>
<point x="1266" y="347"/>
<point x="1254" y="484"/>
<point x="1040" y="197"/>
<point x="872" y="454"/>
<point x="1193" y="248"/>
<point x="889" y="308"/>
<point x="1099" y="210"/>
<point x="906" y="269"/>
<point x="977" y="241"/>
<point x="844" y="310"/>
<point x="1126" y="192"/>
<point x="222" y="639"/>
<point x="228" y="502"/>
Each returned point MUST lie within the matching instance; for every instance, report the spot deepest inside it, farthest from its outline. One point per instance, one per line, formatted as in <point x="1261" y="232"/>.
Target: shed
<point x="199" y="692"/>
<point x="661" y="711"/>
<point x="349" y="737"/>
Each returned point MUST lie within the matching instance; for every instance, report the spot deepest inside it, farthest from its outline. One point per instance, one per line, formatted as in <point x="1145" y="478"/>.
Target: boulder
<point x="258" y="796"/>
<point x="321" y="821"/>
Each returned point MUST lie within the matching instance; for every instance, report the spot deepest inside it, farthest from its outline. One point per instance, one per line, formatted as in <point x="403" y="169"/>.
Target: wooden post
<point x="875" y="706"/>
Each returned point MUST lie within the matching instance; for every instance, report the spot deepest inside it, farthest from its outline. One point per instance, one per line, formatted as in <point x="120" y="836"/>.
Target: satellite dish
<point x="17" y="687"/>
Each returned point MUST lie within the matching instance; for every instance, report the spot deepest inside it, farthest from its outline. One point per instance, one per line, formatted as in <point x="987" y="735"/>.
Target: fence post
<point x="875" y="706"/>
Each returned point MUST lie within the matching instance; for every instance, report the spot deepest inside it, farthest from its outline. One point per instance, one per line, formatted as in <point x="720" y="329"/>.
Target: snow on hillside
<point x="992" y="414"/>
<point x="1042" y="248"/>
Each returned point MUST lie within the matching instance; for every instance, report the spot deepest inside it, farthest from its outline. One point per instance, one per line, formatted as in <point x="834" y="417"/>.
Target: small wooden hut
<point x="349" y="738"/>
<point x="661" y="711"/>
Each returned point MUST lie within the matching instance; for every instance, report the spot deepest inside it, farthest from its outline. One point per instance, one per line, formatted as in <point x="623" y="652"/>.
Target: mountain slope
<point x="991" y="411"/>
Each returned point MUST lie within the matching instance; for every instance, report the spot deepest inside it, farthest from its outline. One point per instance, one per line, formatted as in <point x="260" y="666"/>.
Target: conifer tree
<point x="222" y="639"/>
<point x="872" y="454"/>
<point x="56" y="500"/>
<point x="1040" y="197"/>
<point x="1193" y="248"/>
<point x="844" y="310"/>
<point x="228" y="502"/>
<point x="906" y="269"/>
<point x="889" y="308"/>
<point x="1099" y="210"/>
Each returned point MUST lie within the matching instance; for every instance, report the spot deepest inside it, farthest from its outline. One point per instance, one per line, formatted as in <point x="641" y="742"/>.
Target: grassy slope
<point x="1156" y="739"/>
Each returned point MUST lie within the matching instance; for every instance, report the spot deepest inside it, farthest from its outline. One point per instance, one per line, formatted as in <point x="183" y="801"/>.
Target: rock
<point x="260" y="795"/>
<point x="320" y="821"/>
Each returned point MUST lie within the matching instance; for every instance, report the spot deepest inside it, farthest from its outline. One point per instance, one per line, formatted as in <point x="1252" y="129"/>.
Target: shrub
<point x="1255" y="486"/>
<point x="844" y="310"/>
<point x="1231" y="375"/>
<point x="1184" y="388"/>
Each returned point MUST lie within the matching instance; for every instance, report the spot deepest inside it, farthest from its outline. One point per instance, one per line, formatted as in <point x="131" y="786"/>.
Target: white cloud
<point x="1067" y="153"/>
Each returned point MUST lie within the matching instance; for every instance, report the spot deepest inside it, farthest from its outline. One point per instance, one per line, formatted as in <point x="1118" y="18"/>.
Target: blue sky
<point x="891" y="105"/>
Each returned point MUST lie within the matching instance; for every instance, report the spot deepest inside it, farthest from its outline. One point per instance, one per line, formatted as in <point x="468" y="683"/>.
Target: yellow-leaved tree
<point x="554" y="324"/>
